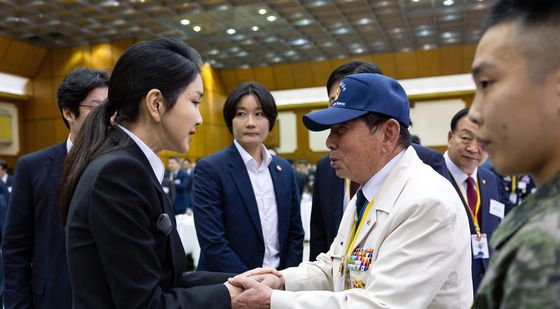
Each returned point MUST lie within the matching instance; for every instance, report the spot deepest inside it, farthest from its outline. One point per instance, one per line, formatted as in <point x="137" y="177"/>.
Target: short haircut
<point x="76" y="86"/>
<point x="174" y="158"/>
<point x="260" y="92"/>
<point x="372" y="120"/>
<point x="3" y="165"/>
<point x="351" y="67"/>
<point x="460" y="115"/>
<point x="537" y="23"/>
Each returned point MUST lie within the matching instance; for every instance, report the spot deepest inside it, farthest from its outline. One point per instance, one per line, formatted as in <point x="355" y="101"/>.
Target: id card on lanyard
<point x="479" y="241"/>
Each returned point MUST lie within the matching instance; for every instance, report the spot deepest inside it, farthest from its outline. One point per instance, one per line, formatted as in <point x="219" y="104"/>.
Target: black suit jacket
<point x="328" y="195"/>
<point x="35" y="268"/>
<point x="118" y="257"/>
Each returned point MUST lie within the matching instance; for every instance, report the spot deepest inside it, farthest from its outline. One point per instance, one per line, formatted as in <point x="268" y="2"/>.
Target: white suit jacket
<point x="419" y="233"/>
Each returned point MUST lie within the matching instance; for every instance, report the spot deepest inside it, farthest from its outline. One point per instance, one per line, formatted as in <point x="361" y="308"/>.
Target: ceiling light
<point x="213" y="52"/>
<point x="262" y="11"/>
<point x="235" y="49"/>
<point x="448" y="35"/>
<point x="318" y="3"/>
<point x="230" y="31"/>
<point x="303" y="22"/>
<point x="185" y="22"/>
<point x="255" y="28"/>
<point x="299" y="42"/>
<point x="341" y="31"/>
<point x="363" y="21"/>
<point x="428" y="46"/>
<point x="243" y="54"/>
<point x="358" y="50"/>
<point x="244" y="66"/>
<point x="269" y="39"/>
<point x="424" y="33"/>
<point x="415" y="0"/>
<point x="327" y="44"/>
<point x="196" y="28"/>
<point x="271" y="18"/>
<point x="448" y="2"/>
<point x="276" y="59"/>
<point x="290" y="53"/>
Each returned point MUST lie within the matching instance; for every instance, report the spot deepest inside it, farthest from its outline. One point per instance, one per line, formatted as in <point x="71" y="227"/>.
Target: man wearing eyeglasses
<point x="478" y="188"/>
<point x="34" y="251"/>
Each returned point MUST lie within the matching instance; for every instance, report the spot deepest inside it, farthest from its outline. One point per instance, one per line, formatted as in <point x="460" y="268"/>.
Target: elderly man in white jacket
<point x="403" y="241"/>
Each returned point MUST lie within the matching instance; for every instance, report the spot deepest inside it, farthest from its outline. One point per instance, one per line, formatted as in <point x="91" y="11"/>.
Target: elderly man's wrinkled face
<point x="355" y="150"/>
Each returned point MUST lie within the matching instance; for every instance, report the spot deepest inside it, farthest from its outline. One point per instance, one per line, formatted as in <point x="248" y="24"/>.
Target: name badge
<point x="480" y="246"/>
<point x="522" y="185"/>
<point x="497" y="209"/>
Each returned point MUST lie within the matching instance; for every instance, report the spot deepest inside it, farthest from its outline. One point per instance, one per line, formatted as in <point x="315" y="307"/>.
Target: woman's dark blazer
<point x="117" y="255"/>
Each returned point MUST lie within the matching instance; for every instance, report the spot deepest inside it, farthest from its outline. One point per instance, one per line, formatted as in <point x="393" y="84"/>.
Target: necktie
<point x="361" y="202"/>
<point x="353" y="188"/>
<point x="471" y="194"/>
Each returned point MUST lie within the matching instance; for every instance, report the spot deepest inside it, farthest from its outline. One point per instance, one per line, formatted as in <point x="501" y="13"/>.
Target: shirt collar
<point x="373" y="185"/>
<point x="155" y="161"/>
<point x="249" y="160"/>
<point x="69" y="144"/>
<point x="456" y="172"/>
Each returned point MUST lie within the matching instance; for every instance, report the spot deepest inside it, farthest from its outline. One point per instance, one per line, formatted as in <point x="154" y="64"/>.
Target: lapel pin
<point x="483" y="181"/>
<point x="279" y="168"/>
<point x="368" y="221"/>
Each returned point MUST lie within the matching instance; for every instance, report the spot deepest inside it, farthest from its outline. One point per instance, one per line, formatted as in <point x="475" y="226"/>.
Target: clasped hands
<point x="253" y="288"/>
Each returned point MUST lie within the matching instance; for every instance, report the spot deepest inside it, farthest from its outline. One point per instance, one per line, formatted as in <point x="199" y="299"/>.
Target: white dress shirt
<point x="263" y="188"/>
<point x="373" y="185"/>
<point x="460" y="176"/>
<point x="155" y="161"/>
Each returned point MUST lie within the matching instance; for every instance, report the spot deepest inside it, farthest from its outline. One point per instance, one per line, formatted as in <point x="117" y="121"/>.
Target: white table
<point x="187" y="232"/>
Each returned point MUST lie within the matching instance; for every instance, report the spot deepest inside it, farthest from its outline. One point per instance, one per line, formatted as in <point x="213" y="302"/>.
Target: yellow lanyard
<point x="513" y="184"/>
<point x="347" y="183"/>
<point x="356" y="232"/>
<point x="474" y="215"/>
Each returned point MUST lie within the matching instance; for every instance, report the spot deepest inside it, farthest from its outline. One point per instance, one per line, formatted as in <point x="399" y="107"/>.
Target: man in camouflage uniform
<point x="517" y="108"/>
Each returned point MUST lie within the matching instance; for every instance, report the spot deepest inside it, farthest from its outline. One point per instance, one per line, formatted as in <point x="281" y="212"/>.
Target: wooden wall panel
<point x="229" y="79"/>
<point x="245" y="75"/>
<point x="102" y="56"/>
<point x="451" y="58"/>
<point x="403" y="65"/>
<point x="20" y="58"/>
<point x="387" y="64"/>
<point x="303" y="78"/>
<point x="284" y="76"/>
<point x="427" y="62"/>
<point x="406" y="65"/>
<point x="468" y="56"/>
<point x="33" y="59"/>
<point x="265" y="76"/>
<point x="321" y="71"/>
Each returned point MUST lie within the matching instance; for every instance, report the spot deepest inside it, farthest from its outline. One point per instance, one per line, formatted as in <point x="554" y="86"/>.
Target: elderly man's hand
<point x="255" y="296"/>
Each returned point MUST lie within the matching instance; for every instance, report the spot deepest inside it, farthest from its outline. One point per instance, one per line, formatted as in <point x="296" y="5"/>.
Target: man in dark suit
<point x="478" y="188"/>
<point x="330" y="193"/>
<point x="33" y="248"/>
<point x="7" y="179"/>
<point x="245" y="201"/>
<point x="181" y="183"/>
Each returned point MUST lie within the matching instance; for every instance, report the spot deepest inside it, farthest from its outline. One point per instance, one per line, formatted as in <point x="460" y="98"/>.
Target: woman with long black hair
<point x="122" y="244"/>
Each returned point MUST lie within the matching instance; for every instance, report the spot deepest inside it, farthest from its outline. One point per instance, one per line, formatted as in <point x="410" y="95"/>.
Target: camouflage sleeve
<point x="532" y="279"/>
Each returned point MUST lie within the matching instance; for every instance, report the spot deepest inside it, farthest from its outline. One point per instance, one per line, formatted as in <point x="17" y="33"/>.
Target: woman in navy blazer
<point x="245" y="201"/>
<point x="122" y="243"/>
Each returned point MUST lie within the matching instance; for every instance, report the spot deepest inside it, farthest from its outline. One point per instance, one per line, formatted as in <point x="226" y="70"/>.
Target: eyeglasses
<point x="89" y="106"/>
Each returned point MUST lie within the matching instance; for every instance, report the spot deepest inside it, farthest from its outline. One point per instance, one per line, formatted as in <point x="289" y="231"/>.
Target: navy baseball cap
<point x="358" y="95"/>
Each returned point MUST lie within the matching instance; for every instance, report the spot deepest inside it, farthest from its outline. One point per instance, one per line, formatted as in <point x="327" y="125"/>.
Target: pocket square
<point x="164" y="224"/>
